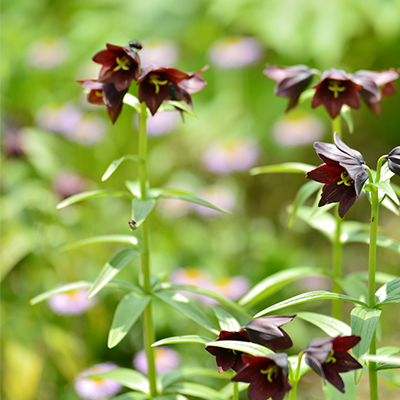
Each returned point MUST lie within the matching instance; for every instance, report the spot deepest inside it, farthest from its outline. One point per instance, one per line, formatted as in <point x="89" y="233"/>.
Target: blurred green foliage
<point x="43" y="352"/>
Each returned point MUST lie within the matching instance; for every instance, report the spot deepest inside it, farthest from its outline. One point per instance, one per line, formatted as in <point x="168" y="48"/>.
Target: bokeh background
<point x="54" y="144"/>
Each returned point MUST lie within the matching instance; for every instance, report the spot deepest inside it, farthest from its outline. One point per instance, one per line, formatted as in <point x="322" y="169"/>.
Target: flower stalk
<point x="148" y="331"/>
<point x="296" y="378"/>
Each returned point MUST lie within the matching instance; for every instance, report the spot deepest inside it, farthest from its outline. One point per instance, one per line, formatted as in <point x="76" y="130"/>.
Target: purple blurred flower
<point x="232" y="288"/>
<point x="159" y="51"/>
<point x="235" y="51"/>
<point x="13" y="141"/>
<point x="95" y="388"/>
<point x="59" y="119"/>
<point x="67" y="184"/>
<point x="48" y="53"/>
<point x="233" y="154"/>
<point x="192" y="276"/>
<point x="160" y="123"/>
<point x="218" y="195"/>
<point x="89" y="130"/>
<point x="166" y="360"/>
<point x="71" y="303"/>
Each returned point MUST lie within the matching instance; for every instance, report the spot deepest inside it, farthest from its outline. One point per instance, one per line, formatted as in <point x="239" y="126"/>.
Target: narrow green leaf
<point x="128" y="311"/>
<point x="298" y="168"/>
<point x="380" y="277"/>
<point x="306" y="297"/>
<point x="186" y="196"/>
<point x="385" y="362"/>
<point x="126" y="377"/>
<point x="134" y="188"/>
<point x="117" y="261"/>
<point x="346" y="114"/>
<point x="141" y="209"/>
<point x="182" y="339"/>
<point x="324" y="223"/>
<point x="226" y="321"/>
<point x="388" y="190"/>
<point x="116" y="163"/>
<point x="354" y="287"/>
<point x="364" y="321"/>
<point x="183" y="305"/>
<point x="332" y="326"/>
<point x="206" y="292"/>
<point x="195" y="390"/>
<point x="389" y="290"/>
<point x="302" y="196"/>
<point x="386" y="351"/>
<point x="273" y="283"/>
<point x="388" y="204"/>
<point x="172" y="105"/>
<point x="88" y="195"/>
<point x="131" y="396"/>
<point x="127" y="239"/>
<point x="246" y="347"/>
<point x="132" y="101"/>
<point x="390" y="300"/>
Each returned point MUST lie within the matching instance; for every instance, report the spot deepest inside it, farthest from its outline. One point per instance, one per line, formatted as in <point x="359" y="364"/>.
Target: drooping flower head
<point x="267" y="331"/>
<point x="157" y="84"/>
<point x="336" y="88"/>
<point x="268" y="376"/>
<point x="394" y="160"/>
<point x="343" y="174"/>
<point x="329" y="356"/>
<point x="227" y="358"/>
<point x="290" y="81"/>
<point x="376" y="86"/>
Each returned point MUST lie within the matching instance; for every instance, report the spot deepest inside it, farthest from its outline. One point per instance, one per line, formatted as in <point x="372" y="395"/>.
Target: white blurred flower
<point x="297" y="128"/>
<point x="160" y="123"/>
<point x="166" y="360"/>
<point x="235" y="51"/>
<point x="88" y="130"/>
<point x="95" y="388"/>
<point x="58" y="119"/>
<point x="217" y="195"/>
<point x="233" y="154"/>
<point x="48" y="53"/>
<point x="159" y="51"/>
<point x="71" y="303"/>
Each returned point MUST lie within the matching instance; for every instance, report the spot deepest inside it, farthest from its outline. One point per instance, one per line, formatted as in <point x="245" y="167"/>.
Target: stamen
<point x="154" y="80"/>
<point x="273" y="370"/>
<point x="330" y="358"/>
<point x="123" y="63"/>
<point x="345" y="179"/>
<point x="336" y="88"/>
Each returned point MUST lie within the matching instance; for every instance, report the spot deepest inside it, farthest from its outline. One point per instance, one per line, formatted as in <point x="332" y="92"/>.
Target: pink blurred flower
<point x="88" y="130"/>
<point x="160" y="123"/>
<point x="58" y="118"/>
<point x="95" y="388"/>
<point x="166" y="360"/>
<point x="71" y="303"/>
<point x="232" y="288"/>
<point x="192" y="276"/>
<point x="48" y="53"/>
<point x="218" y="195"/>
<point x="159" y="51"/>
<point x="233" y="154"/>
<point x="13" y="143"/>
<point x="67" y="184"/>
<point x="235" y="51"/>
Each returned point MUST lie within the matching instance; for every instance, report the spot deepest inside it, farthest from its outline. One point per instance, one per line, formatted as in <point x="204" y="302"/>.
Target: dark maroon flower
<point x="267" y="376"/>
<point x="157" y="84"/>
<point x="336" y="88"/>
<point x="105" y="94"/>
<point x="267" y="332"/>
<point x="227" y="358"/>
<point x="394" y="160"/>
<point x="329" y="356"/>
<point x="120" y="66"/>
<point x="290" y="81"/>
<point x="343" y="174"/>
<point x="376" y="86"/>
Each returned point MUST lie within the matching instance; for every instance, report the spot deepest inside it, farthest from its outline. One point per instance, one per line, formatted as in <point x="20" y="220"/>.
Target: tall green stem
<point x="296" y="378"/>
<point x="235" y="391"/>
<point x="148" y="331"/>
<point x="337" y="126"/>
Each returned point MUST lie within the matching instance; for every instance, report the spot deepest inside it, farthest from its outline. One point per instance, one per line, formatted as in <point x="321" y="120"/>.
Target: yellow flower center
<point x="330" y="358"/>
<point x="98" y="93"/>
<point x="335" y="87"/>
<point x="122" y="63"/>
<point x="156" y="82"/>
<point x="270" y="371"/>
<point x="345" y="179"/>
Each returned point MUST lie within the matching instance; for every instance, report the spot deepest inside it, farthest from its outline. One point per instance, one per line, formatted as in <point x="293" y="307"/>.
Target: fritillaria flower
<point x="343" y="174"/>
<point x="157" y="84"/>
<point x="376" y="86"/>
<point x="267" y="331"/>
<point x="394" y="160"/>
<point x="290" y="81"/>
<point x="336" y="88"/>
<point x="227" y="358"/>
<point x="329" y="356"/>
<point x="120" y="66"/>
<point x="268" y="376"/>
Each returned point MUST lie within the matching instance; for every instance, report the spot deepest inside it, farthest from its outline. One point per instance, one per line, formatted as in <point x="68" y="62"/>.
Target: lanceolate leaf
<point x="195" y="390"/>
<point x="246" y="347"/>
<point x="128" y="311"/>
<point x="298" y="168"/>
<point x="132" y="101"/>
<point x="324" y="223"/>
<point x="117" y="261"/>
<point x="182" y="339"/>
<point x="389" y="290"/>
<point x="131" y="396"/>
<point x="273" y="283"/>
<point x="88" y="195"/>
<point x="183" y="305"/>
<point x="346" y="114"/>
<point x="384" y="362"/>
<point x="172" y="105"/>
<point x="127" y="239"/>
<point x="126" y="377"/>
<point x="332" y="326"/>
<point x="387" y="189"/>
<point x="141" y="209"/>
<point x="226" y="321"/>
<point x="390" y="300"/>
<point x="306" y="297"/>
<point x="382" y="241"/>
<point x="387" y="351"/>
<point x="116" y="163"/>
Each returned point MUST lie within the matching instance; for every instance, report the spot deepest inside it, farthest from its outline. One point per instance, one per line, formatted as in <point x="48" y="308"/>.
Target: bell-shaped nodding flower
<point x="329" y="356"/>
<point x="290" y="81"/>
<point x="343" y="174"/>
<point x="267" y="332"/>
<point x="394" y="160"/>
<point x="268" y="376"/>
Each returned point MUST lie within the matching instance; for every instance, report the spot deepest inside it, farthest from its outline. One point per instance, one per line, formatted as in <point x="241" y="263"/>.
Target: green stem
<point x="293" y="391"/>
<point x="337" y="126"/>
<point x="337" y="266"/>
<point x="148" y="326"/>
<point x="235" y="391"/>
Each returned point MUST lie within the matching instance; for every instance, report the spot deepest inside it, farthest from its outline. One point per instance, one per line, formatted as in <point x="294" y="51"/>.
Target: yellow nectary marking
<point x="123" y="63"/>
<point x="98" y="93"/>
<point x="154" y="80"/>
<point x="331" y="358"/>
<point x="336" y="88"/>
<point x="345" y="179"/>
<point x="273" y="370"/>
